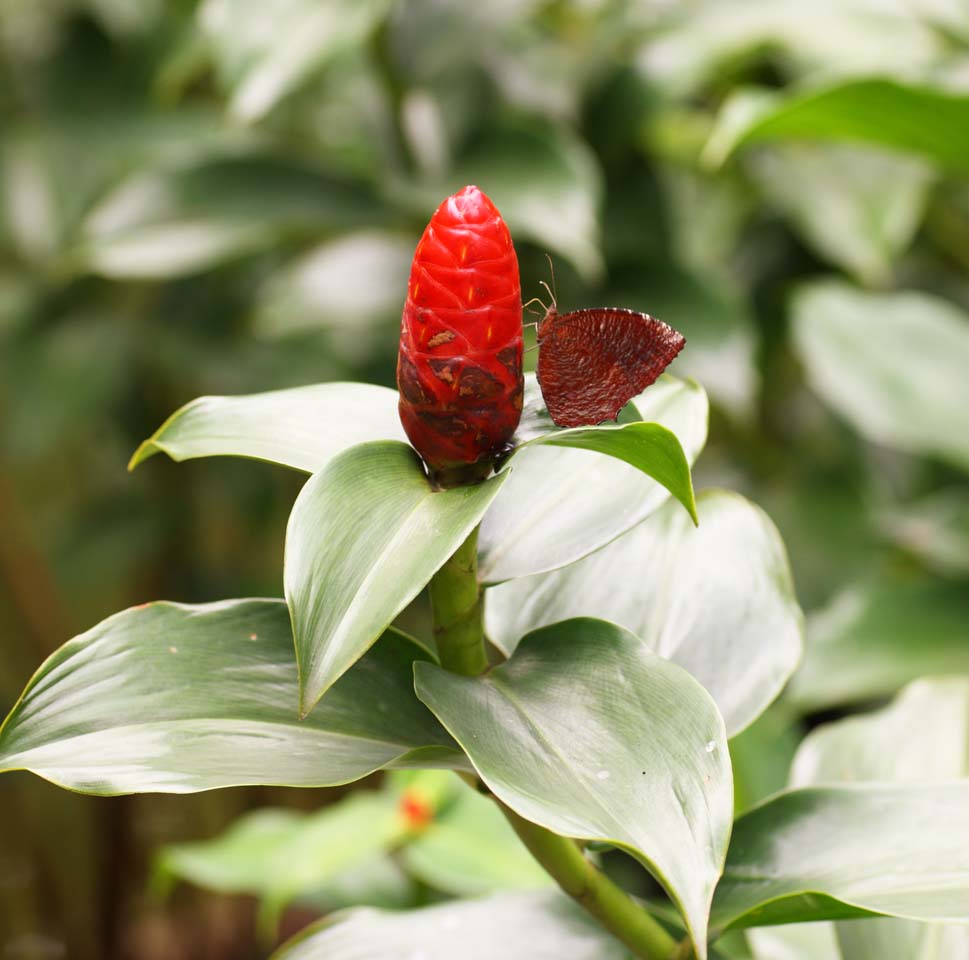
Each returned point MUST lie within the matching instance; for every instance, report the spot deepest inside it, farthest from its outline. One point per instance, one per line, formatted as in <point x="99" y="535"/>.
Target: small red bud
<point x="459" y="370"/>
<point x="416" y="810"/>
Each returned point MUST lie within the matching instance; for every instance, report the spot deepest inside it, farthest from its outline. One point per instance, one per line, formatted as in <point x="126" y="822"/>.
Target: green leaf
<point x="876" y="637"/>
<point x="265" y="53"/>
<point x="366" y="535"/>
<point x="717" y="599"/>
<point x="279" y="854"/>
<point x="921" y="736"/>
<point x="587" y="733"/>
<point x="536" y="925"/>
<point x="302" y="428"/>
<point x="893" y="365"/>
<point x="177" y="698"/>
<point x="649" y="447"/>
<point x="927" y="121"/>
<point x="559" y="505"/>
<point x="859" y="208"/>
<point x="167" y="222"/>
<point x="827" y="853"/>
<point x="470" y="850"/>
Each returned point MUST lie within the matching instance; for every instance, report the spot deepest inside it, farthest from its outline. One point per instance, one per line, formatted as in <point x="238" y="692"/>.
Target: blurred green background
<point x="224" y="196"/>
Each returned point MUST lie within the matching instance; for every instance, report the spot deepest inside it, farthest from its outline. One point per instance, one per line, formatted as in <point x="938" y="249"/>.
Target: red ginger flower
<point x="459" y="370"/>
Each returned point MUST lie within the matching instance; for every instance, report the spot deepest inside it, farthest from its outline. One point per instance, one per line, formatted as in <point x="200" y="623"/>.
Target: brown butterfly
<point x="592" y="362"/>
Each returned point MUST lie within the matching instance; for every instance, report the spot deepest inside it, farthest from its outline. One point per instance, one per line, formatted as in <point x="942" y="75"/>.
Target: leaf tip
<point x="145" y="450"/>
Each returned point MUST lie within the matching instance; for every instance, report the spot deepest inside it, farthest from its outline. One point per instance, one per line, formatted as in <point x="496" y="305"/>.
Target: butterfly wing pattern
<point x="592" y="362"/>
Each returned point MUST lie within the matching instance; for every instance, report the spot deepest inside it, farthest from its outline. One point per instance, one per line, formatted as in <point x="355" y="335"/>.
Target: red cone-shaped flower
<point x="460" y="365"/>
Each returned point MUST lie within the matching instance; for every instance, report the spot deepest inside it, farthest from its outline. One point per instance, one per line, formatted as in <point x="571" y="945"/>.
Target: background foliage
<point x="223" y="197"/>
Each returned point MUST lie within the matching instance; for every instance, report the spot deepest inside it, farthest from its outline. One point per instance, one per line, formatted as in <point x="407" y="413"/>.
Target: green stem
<point x="456" y="610"/>
<point x="594" y="891"/>
<point x="456" y="605"/>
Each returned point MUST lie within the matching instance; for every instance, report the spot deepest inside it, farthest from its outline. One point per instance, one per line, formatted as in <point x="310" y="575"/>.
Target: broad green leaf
<point x="526" y="925"/>
<point x="176" y="698"/>
<point x="923" y="735"/>
<point x="559" y="505"/>
<point x="302" y="428"/>
<point x="166" y="222"/>
<point x="858" y="208"/>
<point x="264" y="53"/>
<point x="586" y="732"/>
<point x="278" y="855"/>
<point x="470" y="850"/>
<point x="366" y="535"/>
<point x="924" y="120"/>
<point x="237" y="860"/>
<point x="876" y="637"/>
<point x="649" y="447"/>
<point x="828" y="853"/>
<point x="716" y="599"/>
<point x="893" y="365"/>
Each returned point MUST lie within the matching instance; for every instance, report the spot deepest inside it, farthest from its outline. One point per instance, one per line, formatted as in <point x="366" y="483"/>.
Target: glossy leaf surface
<point x="809" y="854"/>
<point x="176" y="698"/>
<point x="717" y="599"/>
<point x="586" y="732"/>
<point x="365" y="536"/>
<point x="559" y="505"/>
<point x="302" y="428"/>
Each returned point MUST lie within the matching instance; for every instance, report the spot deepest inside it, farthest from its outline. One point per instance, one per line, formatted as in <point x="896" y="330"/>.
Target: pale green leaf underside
<point x="302" y="428"/>
<point x="589" y="734"/>
<point x="366" y="535"/>
<point x="177" y="698"/>
<point x="560" y="504"/>
<point x="536" y="925"/>
<point x="824" y="853"/>
<point x="717" y="599"/>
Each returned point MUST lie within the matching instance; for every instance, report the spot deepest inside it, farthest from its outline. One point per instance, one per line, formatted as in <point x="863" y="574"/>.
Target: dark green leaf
<point x="366" y="535"/>
<point x="176" y="698"/>
<point x="586" y="732"/>
<point x="928" y="121"/>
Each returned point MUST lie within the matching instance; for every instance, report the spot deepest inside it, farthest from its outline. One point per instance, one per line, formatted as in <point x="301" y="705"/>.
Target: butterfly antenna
<point x="542" y="283"/>
<point x="541" y="303"/>
<point x="534" y="346"/>
<point x="551" y="270"/>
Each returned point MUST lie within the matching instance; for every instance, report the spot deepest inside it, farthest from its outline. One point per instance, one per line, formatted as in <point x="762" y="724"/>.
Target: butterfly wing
<point x="592" y="362"/>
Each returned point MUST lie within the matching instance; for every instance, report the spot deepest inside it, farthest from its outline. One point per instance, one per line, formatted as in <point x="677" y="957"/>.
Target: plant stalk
<point x="592" y="890"/>
<point x="456" y="605"/>
<point x="456" y="609"/>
